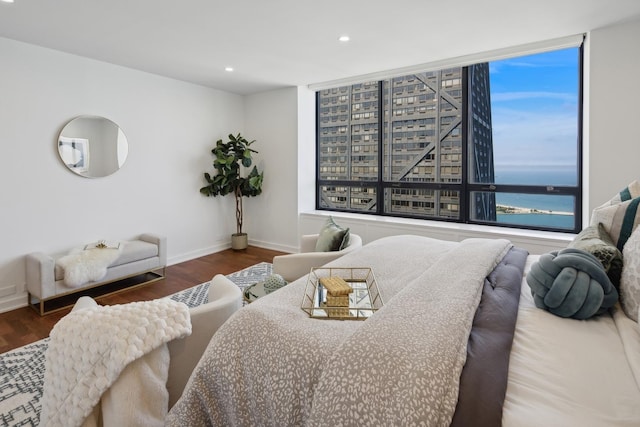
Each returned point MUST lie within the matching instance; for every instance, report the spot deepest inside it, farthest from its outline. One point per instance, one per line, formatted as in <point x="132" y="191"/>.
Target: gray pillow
<point x="595" y="240"/>
<point x="571" y="283"/>
<point x="332" y="237"/>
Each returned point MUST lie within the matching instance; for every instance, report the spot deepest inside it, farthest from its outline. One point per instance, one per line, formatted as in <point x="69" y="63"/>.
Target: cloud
<point x="497" y="66"/>
<point x="555" y="59"/>
<point x="518" y="96"/>
<point x="534" y="139"/>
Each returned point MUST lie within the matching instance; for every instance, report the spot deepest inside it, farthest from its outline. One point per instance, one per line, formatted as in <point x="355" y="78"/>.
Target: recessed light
<point x="229" y="69"/>
<point x="7" y="1"/>
<point x="343" y="38"/>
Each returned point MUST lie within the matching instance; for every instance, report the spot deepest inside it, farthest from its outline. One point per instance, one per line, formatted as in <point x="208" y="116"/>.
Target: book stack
<point x="337" y="301"/>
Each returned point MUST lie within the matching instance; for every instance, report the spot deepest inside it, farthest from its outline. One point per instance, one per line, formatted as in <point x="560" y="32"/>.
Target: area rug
<point x="22" y="369"/>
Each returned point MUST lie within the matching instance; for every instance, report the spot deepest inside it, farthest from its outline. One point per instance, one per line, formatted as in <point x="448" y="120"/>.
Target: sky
<point x="534" y="109"/>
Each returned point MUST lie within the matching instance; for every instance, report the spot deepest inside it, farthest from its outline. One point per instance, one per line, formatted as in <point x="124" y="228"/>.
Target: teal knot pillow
<point x="571" y="283"/>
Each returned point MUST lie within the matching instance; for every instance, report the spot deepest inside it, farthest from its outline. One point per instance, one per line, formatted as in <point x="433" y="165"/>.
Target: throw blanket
<point x="272" y="365"/>
<point x="83" y="266"/>
<point x="90" y="348"/>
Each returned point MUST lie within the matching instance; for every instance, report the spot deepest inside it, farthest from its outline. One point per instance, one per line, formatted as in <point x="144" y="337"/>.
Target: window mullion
<point x="380" y="190"/>
<point x="465" y="193"/>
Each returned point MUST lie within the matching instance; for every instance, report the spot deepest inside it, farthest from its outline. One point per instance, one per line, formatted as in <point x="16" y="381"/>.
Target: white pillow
<point x="630" y="279"/>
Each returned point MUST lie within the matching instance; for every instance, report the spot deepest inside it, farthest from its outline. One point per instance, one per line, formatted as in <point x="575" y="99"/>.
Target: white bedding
<point x="566" y="372"/>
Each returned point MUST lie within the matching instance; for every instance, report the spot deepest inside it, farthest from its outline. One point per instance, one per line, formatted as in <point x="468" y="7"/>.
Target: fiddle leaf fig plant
<point x="228" y="157"/>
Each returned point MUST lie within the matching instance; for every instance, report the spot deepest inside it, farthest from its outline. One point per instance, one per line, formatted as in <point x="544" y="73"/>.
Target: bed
<point x="565" y="372"/>
<point x="450" y="308"/>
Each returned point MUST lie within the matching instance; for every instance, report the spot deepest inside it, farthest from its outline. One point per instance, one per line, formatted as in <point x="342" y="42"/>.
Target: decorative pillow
<point x="274" y="282"/>
<point x="630" y="280"/>
<point x="332" y="237"/>
<point x="595" y="240"/>
<point x="619" y="220"/>
<point x="571" y="283"/>
<point x="631" y="191"/>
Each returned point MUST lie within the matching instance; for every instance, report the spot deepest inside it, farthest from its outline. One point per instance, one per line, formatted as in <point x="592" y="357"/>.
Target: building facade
<point x="395" y="147"/>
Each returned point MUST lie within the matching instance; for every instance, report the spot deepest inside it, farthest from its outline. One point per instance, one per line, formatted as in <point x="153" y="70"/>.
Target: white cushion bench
<point x="142" y="261"/>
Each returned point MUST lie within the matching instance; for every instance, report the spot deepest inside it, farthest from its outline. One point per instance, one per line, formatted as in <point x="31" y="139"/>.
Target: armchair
<point x="182" y="355"/>
<point x="294" y="266"/>
<point x="225" y="298"/>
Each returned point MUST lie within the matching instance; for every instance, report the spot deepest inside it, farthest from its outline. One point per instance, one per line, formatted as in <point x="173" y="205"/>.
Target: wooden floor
<point x="24" y="325"/>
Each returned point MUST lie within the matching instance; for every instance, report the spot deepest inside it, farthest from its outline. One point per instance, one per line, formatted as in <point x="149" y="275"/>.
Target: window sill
<point x="371" y="227"/>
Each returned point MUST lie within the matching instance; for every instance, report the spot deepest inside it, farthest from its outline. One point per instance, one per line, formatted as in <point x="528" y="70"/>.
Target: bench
<point x="141" y="261"/>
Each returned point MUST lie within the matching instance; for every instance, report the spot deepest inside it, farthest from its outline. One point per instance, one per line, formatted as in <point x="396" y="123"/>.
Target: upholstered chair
<point x="225" y="298"/>
<point x="294" y="266"/>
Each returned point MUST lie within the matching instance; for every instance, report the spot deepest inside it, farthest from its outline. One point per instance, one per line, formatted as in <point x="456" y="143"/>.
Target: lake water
<point x="538" y="220"/>
<point x="539" y="176"/>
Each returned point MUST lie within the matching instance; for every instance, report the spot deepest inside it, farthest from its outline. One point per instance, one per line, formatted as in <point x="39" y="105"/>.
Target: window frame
<point x="465" y="188"/>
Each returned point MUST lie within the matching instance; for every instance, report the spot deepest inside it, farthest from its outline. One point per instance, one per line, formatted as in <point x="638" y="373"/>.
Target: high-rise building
<point x="421" y="131"/>
<point x="481" y="166"/>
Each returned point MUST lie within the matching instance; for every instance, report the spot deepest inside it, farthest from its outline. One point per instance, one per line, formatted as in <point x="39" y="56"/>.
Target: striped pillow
<point x="631" y="191"/>
<point x="619" y="219"/>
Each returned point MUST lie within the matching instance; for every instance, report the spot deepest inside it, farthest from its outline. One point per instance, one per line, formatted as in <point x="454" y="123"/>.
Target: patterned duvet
<point x="271" y="364"/>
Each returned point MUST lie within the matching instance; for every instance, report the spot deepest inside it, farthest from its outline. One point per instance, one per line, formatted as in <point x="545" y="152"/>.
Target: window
<point x="495" y="143"/>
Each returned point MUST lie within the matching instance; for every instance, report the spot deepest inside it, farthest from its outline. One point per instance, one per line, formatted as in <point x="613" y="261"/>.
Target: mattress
<point x="566" y="372"/>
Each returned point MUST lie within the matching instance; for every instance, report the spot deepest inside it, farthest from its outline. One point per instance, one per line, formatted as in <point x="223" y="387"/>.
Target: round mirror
<point x="92" y="146"/>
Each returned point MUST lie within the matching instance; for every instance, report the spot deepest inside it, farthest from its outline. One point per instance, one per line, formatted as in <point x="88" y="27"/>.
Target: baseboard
<point x="221" y="246"/>
<point x="7" y="291"/>
<point x="14" y="302"/>
<point x="273" y="247"/>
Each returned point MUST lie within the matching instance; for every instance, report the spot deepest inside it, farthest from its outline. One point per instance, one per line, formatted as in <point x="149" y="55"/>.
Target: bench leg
<point x="39" y="308"/>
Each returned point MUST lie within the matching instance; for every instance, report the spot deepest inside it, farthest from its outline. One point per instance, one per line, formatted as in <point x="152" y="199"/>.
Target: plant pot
<point x="239" y="241"/>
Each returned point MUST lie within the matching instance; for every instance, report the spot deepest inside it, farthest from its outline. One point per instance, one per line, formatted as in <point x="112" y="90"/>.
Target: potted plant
<point x="228" y="157"/>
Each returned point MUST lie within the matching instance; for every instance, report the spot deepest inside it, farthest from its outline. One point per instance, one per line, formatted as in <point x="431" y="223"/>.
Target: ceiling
<point x="279" y="43"/>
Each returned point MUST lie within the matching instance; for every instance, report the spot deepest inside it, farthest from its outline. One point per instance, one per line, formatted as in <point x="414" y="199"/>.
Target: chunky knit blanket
<point x="91" y="347"/>
<point x="271" y="364"/>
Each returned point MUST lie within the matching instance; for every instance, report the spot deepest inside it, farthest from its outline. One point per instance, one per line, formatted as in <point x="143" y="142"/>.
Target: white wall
<point x="306" y="149"/>
<point x="171" y="127"/>
<point x="283" y="124"/>
<point x="614" y="92"/>
<point x="271" y="218"/>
